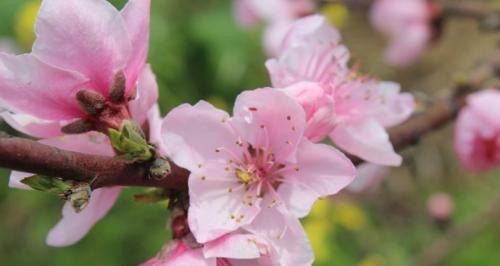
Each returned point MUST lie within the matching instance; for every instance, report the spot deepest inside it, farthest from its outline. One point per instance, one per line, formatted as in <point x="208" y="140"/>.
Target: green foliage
<point x="47" y="184"/>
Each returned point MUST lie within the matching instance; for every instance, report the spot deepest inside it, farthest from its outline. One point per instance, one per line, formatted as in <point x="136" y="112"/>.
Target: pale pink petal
<point x="236" y="246"/>
<point x="219" y="204"/>
<point x="32" y="126"/>
<point x="136" y="17"/>
<point x="74" y="226"/>
<point x="368" y="176"/>
<point x="244" y="13"/>
<point x="286" y="235"/>
<point x="88" y="37"/>
<point x="486" y="104"/>
<point x="321" y="171"/>
<point x="367" y="140"/>
<point x="15" y="179"/>
<point x="395" y="107"/>
<point x="29" y="86"/>
<point x="270" y="118"/>
<point x="193" y="134"/>
<point x="147" y="95"/>
<point x="318" y="106"/>
<point x="311" y="29"/>
<point x="155" y="122"/>
<point x="406" y="48"/>
<point x="274" y="35"/>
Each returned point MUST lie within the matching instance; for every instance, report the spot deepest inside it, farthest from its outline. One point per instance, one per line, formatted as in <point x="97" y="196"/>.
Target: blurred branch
<point x="459" y="235"/>
<point x="487" y="14"/>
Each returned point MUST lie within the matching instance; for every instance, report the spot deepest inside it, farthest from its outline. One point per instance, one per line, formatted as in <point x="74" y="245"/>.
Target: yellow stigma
<point x="245" y="176"/>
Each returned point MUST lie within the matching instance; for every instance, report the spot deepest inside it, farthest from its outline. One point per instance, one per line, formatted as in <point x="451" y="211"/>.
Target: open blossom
<point x="353" y="110"/>
<point x="477" y="132"/>
<point x="81" y="46"/>
<point x="254" y="170"/>
<point x="407" y="24"/>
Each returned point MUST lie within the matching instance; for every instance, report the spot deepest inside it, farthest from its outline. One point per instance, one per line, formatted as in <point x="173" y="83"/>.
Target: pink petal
<point x="318" y="106"/>
<point x="274" y="35"/>
<point x="88" y="37"/>
<point x="147" y="95"/>
<point x="244" y="13"/>
<point x="155" y="122"/>
<point x="15" y="179"/>
<point x="486" y="104"/>
<point x="29" y="86"/>
<point x="367" y="140"/>
<point x="32" y="126"/>
<point x="406" y="47"/>
<point x="368" y="176"/>
<point x="270" y="118"/>
<point x="74" y="226"/>
<point x="235" y="246"/>
<point x="218" y="203"/>
<point x="193" y="134"/>
<point x="395" y="107"/>
<point x="136" y="17"/>
<point x="286" y="235"/>
<point x="322" y="171"/>
<point x="311" y="29"/>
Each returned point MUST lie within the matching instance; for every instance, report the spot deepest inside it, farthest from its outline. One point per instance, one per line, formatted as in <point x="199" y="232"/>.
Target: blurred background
<point x="198" y="51"/>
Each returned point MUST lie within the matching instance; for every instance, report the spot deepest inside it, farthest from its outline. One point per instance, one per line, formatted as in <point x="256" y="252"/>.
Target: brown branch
<point x="34" y="157"/>
<point x="455" y="237"/>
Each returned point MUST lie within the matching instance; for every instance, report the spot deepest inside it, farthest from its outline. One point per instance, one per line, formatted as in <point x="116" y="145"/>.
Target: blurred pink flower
<point x="254" y="170"/>
<point x="251" y="12"/>
<point x="81" y="44"/>
<point x="440" y="206"/>
<point x="477" y="132"/>
<point x="278" y="15"/>
<point x="408" y="26"/>
<point x="360" y="107"/>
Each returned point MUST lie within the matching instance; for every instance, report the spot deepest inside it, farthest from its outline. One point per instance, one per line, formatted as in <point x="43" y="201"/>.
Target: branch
<point x="455" y="237"/>
<point x="34" y="157"/>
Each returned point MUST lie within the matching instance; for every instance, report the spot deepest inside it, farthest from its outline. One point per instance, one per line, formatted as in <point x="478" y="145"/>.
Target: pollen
<point x="288" y="118"/>
<point x="245" y="176"/>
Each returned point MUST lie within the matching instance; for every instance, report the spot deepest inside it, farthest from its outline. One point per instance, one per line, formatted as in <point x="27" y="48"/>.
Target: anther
<point x="77" y="127"/>
<point x="91" y="102"/>
<point x="117" y="94"/>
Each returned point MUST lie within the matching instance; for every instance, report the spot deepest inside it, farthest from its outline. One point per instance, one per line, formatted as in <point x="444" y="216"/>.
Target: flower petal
<point x="322" y="171"/>
<point x="193" y="134"/>
<point x="32" y="126"/>
<point x="235" y="246"/>
<point x="218" y="203"/>
<point x="270" y="118"/>
<point x="368" y="140"/>
<point x="29" y="86"/>
<point x="136" y="16"/>
<point x="147" y="95"/>
<point x="88" y="37"/>
<point x="15" y="179"/>
<point x="74" y="226"/>
<point x="286" y="235"/>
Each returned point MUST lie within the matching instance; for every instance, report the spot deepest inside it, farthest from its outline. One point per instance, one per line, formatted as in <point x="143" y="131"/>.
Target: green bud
<point x="47" y="184"/>
<point x="131" y="143"/>
<point x="159" y="169"/>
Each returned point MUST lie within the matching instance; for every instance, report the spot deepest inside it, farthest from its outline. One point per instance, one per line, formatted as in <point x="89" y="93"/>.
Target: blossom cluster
<point x="253" y="173"/>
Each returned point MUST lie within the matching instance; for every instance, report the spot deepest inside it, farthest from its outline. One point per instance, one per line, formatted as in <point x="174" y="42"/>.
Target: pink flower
<point x="254" y="170"/>
<point x="355" y="110"/>
<point x="250" y="12"/>
<point x="75" y="226"/>
<point x="477" y="132"/>
<point x="80" y="45"/>
<point x="407" y="24"/>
